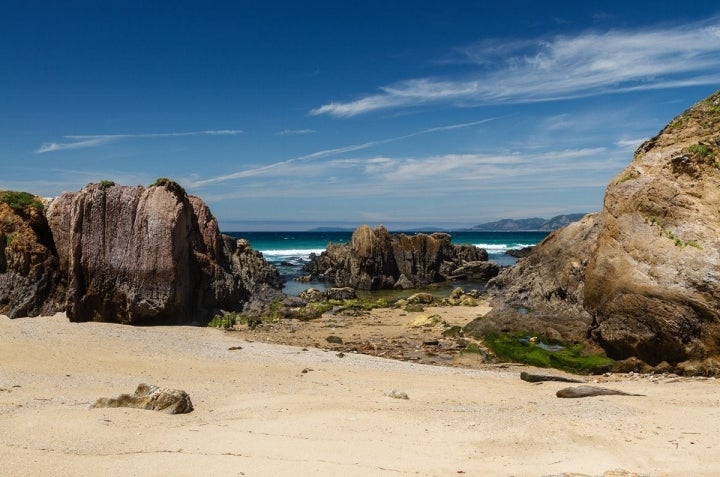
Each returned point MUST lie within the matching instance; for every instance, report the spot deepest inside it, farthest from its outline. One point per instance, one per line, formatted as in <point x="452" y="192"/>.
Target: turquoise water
<point x="289" y="251"/>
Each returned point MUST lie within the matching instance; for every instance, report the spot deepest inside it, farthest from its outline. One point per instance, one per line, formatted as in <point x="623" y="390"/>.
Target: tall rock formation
<point x="643" y="276"/>
<point x="131" y="255"/>
<point x="653" y="280"/>
<point x="150" y="255"/>
<point x="376" y="259"/>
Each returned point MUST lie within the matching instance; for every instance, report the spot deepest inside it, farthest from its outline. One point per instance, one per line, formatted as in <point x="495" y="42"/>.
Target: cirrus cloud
<point x="564" y="67"/>
<point x="81" y="142"/>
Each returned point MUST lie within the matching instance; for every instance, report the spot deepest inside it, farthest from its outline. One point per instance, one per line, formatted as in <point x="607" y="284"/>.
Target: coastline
<point x="257" y="412"/>
<point x="290" y="251"/>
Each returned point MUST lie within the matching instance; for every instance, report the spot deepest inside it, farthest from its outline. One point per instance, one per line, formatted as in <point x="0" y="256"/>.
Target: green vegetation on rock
<point x="658" y="222"/>
<point x="21" y="201"/>
<point x="516" y="347"/>
<point x="171" y="185"/>
<point x="357" y="304"/>
<point x="701" y="150"/>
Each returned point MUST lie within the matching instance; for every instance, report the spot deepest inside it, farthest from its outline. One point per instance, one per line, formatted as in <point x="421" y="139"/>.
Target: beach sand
<point x="271" y="409"/>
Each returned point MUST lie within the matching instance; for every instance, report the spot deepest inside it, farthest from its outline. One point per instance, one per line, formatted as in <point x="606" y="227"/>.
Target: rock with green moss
<point x="31" y="280"/>
<point x="427" y="321"/>
<point x="523" y="347"/>
<point x="640" y="278"/>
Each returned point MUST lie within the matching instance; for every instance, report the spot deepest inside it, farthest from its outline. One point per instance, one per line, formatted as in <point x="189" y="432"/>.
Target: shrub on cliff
<point x="171" y="185"/>
<point x="21" y="201"/>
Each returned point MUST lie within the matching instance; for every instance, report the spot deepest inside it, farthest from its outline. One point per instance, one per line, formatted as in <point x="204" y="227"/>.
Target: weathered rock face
<point x="643" y="276"/>
<point x="152" y="398"/>
<point x="30" y="282"/>
<point x="653" y="279"/>
<point x="544" y="292"/>
<point x="376" y="259"/>
<point x="140" y="255"/>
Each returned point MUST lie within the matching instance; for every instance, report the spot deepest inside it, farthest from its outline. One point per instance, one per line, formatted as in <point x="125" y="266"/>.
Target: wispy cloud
<point x="326" y="153"/>
<point x="441" y="176"/>
<point x="564" y="67"/>
<point x="295" y="132"/>
<point x="80" y="142"/>
<point x="633" y="143"/>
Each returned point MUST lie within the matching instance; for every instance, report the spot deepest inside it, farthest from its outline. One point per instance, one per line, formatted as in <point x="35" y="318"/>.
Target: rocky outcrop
<point x="131" y="255"/>
<point x="653" y="280"/>
<point x="643" y="276"/>
<point x="151" y="255"/>
<point x="544" y="292"/>
<point x="30" y="279"/>
<point x="376" y="259"/>
<point x="151" y="398"/>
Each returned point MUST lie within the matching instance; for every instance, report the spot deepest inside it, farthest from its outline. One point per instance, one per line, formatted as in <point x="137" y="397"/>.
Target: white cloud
<point x="274" y="167"/>
<point x="295" y="132"/>
<point x="435" y="176"/>
<point x="80" y="142"/>
<point x="564" y="67"/>
<point x="630" y="143"/>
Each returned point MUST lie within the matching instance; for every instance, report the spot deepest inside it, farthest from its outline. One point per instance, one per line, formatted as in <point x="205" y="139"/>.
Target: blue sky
<point x="289" y="115"/>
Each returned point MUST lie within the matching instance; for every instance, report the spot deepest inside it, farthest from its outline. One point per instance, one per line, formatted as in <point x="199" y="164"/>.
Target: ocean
<point x="289" y="251"/>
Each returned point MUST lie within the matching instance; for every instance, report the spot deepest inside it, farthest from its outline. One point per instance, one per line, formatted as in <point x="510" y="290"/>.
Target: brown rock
<point x="312" y="295"/>
<point x="141" y="255"/>
<point x="590" y="391"/>
<point x="30" y="278"/>
<point x="153" y="398"/>
<point x="476" y="270"/>
<point x="376" y="259"/>
<point x="652" y="282"/>
<point x="538" y="378"/>
<point x="641" y="278"/>
<point x="546" y="289"/>
<point x="345" y="293"/>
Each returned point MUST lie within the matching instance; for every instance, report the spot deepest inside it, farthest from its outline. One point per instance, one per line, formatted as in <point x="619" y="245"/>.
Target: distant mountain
<point x="535" y="223"/>
<point x="504" y="225"/>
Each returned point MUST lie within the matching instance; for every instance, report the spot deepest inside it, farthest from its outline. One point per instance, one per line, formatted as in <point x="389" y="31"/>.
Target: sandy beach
<point x="272" y="409"/>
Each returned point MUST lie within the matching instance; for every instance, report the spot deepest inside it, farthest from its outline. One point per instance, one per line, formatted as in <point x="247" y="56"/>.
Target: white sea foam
<point x="300" y="252"/>
<point x="501" y="247"/>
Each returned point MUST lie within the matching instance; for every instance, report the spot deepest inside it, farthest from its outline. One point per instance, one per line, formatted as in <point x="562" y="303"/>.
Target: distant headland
<point x="534" y="224"/>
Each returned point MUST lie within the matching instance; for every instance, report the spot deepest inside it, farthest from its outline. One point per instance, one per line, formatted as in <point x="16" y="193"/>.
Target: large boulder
<point x="141" y="255"/>
<point x="642" y="277"/>
<point x="653" y="280"/>
<point x="376" y="259"/>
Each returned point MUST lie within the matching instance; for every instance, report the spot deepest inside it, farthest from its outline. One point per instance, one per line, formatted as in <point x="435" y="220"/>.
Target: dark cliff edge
<point x="30" y="277"/>
<point x="640" y="279"/>
<point x="134" y="255"/>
